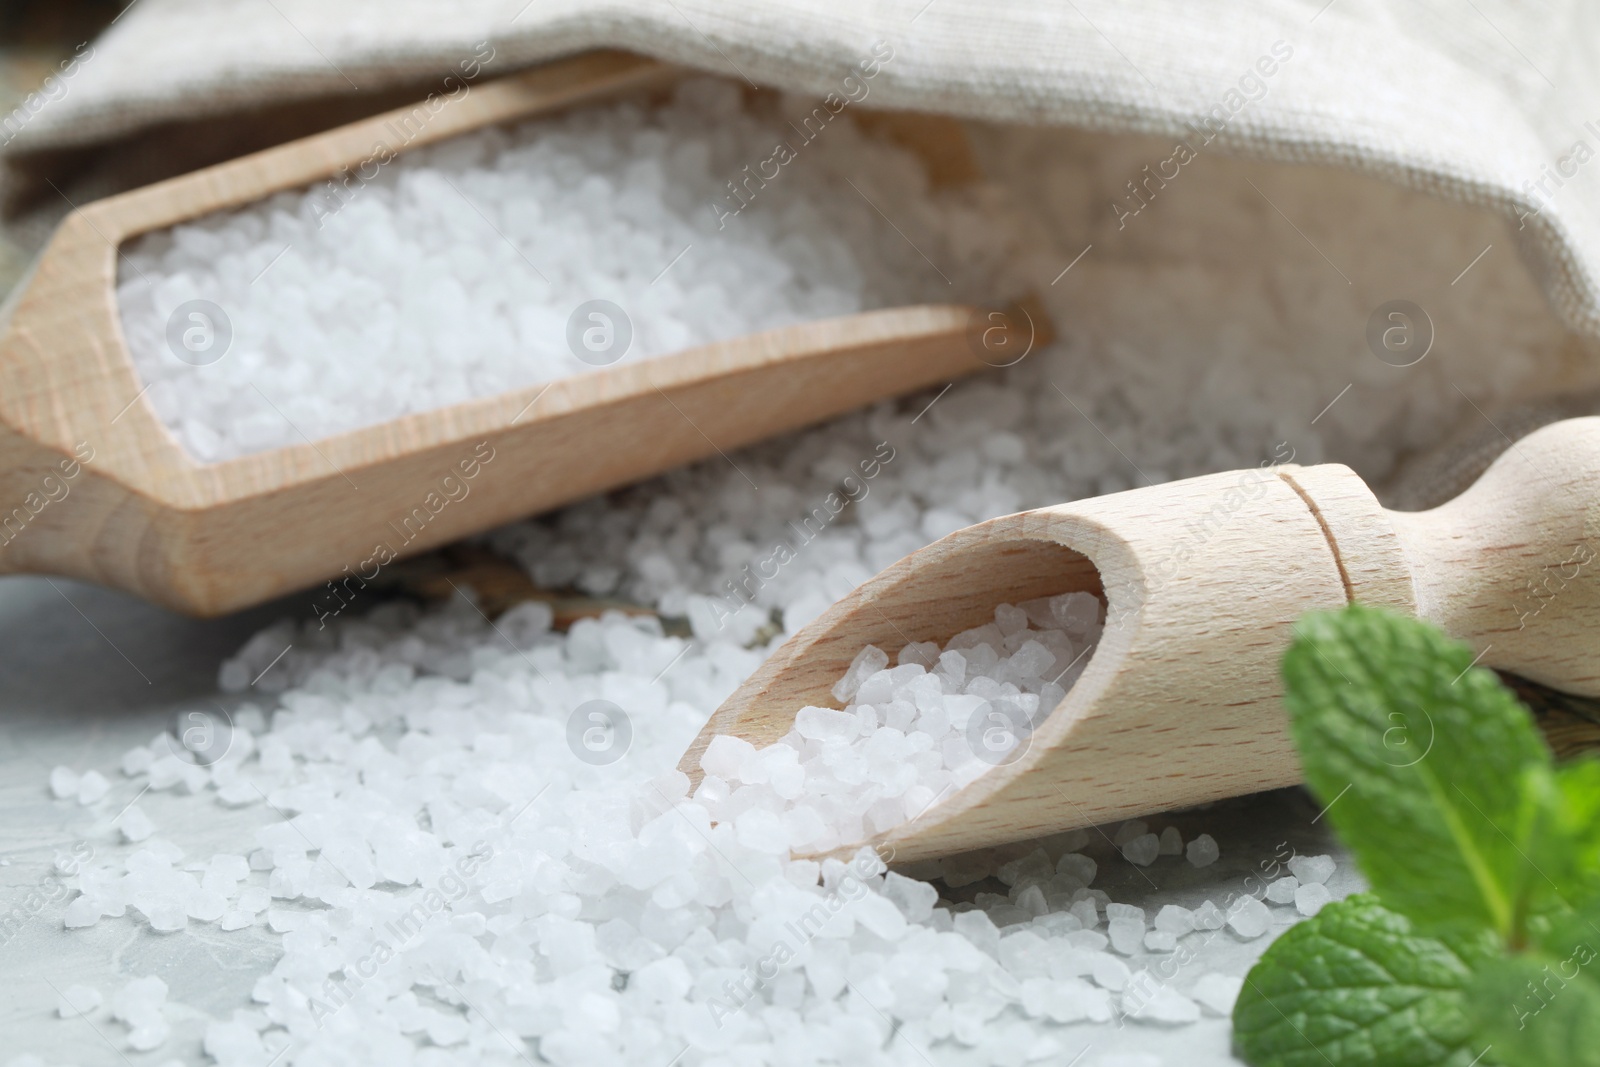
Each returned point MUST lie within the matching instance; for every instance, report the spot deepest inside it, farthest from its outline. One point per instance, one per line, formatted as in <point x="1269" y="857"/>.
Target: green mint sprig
<point x="1480" y="941"/>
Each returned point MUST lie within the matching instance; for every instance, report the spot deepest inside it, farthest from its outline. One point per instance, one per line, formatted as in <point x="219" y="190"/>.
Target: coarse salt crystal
<point x="92" y="787"/>
<point x="1312" y="869"/>
<point x="1202" y="851"/>
<point x="1249" y="918"/>
<point x="1311" y="898"/>
<point x="1077" y="866"/>
<point x="1142" y="850"/>
<point x="63" y="783"/>
<point x="1160" y="941"/>
<point x="77" y="1000"/>
<point x="1174" y="919"/>
<point x="1127" y="935"/>
<point x="725" y="755"/>
<point x="135" y="824"/>
<point x="822" y="724"/>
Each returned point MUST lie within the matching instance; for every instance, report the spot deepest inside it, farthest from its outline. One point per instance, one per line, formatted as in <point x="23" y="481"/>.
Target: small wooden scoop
<point x="1203" y="580"/>
<point x="92" y="484"/>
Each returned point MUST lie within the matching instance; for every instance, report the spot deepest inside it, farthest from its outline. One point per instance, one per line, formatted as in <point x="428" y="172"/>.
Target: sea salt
<point x="77" y="1000"/>
<point x="139" y="1005"/>
<point x="1078" y="867"/>
<point x="1160" y="941"/>
<point x="135" y="824"/>
<point x="137" y="760"/>
<point x="92" y="787"/>
<point x="1312" y="870"/>
<point x="868" y="661"/>
<point x="908" y="739"/>
<point x="1108" y="971"/>
<point x="474" y="266"/>
<point x="1249" y="918"/>
<point x="635" y="898"/>
<point x="915" y="899"/>
<point x="1127" y="935"/>
<point x="63" y="783"/>
<point x="1067" y="1000"/>
<point x="84" y="911"/>
<point x="1174" y="919"/>
<point x="1142" y="850"/>
<point x="1282" y="890"/>
<point x="411" y="736"/>
<point x="1311" y="898"/>
<point x="1202" y="851"/>
<point x="823" y="724"/>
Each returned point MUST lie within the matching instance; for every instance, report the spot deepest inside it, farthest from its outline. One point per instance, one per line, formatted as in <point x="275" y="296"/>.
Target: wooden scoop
<point x="1203" y="580"/>
<point x="92" y="484"/>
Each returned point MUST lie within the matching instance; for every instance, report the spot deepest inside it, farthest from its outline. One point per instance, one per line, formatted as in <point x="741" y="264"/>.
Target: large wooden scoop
<point x="1203" y="580"/>
<point x="93" y="486"/>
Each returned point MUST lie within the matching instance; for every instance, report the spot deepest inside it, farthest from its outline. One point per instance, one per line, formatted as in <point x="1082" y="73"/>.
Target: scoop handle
<point x="1512" y="565"/>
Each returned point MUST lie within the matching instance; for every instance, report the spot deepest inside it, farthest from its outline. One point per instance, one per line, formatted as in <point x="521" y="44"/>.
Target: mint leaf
<point x="1433" y="769"/>
<point x="1541" y="1009"/>
<point x="1568" y="850"/>
<point x="1357" y="986"/>
<point x="1481" y="942"/>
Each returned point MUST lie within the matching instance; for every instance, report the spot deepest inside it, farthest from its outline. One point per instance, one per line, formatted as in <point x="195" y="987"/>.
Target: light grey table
<point x="86" y="674"/>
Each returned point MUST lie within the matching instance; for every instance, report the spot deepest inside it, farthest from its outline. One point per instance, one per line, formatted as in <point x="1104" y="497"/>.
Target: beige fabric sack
<point x="1491" y="103"/>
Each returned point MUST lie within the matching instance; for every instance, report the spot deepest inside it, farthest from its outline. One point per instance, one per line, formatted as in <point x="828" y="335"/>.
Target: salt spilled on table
<point x="597" y="910"/>
<point x="434" y="724"/>
<point x="909" y="736"/>
<point x="139" y="1004"/>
